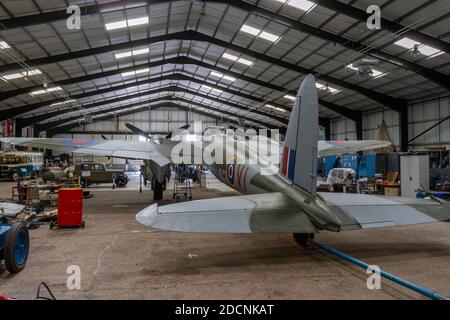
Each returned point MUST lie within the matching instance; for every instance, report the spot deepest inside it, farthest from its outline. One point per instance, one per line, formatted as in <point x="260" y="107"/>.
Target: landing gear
<point x="158" y="190"/>
<point x="303" y="238"/>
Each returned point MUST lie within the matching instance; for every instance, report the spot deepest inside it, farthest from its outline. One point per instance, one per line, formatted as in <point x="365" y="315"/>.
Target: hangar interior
<point x="96" y="69"/>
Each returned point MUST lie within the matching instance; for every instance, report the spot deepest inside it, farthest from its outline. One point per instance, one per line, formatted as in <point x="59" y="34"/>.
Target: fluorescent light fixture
<point x="269" y="36"/>
<point x="290" y="97"/>
<point x="275" y="108"/>
<point x="257" y="32"/>
<point x="4" y="45"/>
<point x="229" y="57"/>
<point x="116" y="25"/>
<point x="137" y="21"/>
<point x="211" y="88"/>
<point x="39" y="92"/>
<point x="19" y="75"/>
<point x="132" y="53"/>
<point x="126" y="23"/>
<point x="216" y="74"/>
<point x="229" y="78"/>
<point x="220" y="75"/>
<point x="62" y="102"/>
<point x="123" y="55"/>
<point x="325" y="88"/>
<point x="240" y="60"/>
<point x="423" y="48"/>
<point x="251" y="30"/>
<point x="133" y="73"/>
<point x="245" y="61"/>
<point x="303" y="5"/>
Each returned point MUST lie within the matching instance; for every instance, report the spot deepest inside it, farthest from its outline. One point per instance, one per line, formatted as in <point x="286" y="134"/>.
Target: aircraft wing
<point x="361" y="211"/>
<point x="269" y="212"/>
<point x="277" y="213"/>
<point x="111" y="148"/>
<point x="328" y="148"/>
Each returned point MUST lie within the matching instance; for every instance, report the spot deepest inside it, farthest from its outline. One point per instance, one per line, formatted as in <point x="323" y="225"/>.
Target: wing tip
<point x="147" y="215"/>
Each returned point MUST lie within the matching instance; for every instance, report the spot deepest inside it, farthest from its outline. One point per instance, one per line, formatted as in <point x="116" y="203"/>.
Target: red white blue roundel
<point x="230" y="172"/>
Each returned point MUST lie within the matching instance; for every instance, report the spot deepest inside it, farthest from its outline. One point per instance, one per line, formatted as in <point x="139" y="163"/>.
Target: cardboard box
<point x="390" y="191"/>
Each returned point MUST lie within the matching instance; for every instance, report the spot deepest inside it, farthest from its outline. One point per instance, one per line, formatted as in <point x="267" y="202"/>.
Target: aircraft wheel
<point x="302" y="238"/>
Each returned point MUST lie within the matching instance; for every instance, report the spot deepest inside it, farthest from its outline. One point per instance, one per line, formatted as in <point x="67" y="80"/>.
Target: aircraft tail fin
<point x="299" y="157"/>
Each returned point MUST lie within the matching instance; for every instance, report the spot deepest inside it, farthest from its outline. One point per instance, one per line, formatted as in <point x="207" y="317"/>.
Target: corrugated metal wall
<point x="422" y="115"/>
<point x="160" y="120"/>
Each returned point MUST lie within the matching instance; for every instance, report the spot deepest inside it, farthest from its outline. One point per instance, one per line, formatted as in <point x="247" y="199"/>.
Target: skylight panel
<point x="275" y="108"/>
<point x="289" y="97"/>
<point x="44" y="91"/>
<point x="19" y="75"/>
<point x="423" y="48"/>
<point x="220" y="75"/>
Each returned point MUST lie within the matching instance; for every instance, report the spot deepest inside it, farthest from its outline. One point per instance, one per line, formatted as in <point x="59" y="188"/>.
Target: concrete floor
<point x="121" y="259"/>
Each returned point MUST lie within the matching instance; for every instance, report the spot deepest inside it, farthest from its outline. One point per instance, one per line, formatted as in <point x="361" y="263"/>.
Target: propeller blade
<point x="137" y="131"/>
<point x="185" y="127"/>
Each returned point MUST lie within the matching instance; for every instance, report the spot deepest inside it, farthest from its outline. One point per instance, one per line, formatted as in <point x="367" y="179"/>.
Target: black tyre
<point x="15" y="176"/>
<point x="17" y="245"/>
<point x="83" y="183"/>
<point x="51" y="225"/>
<point x="121" y="182"/>
<point x="302" y="238"/>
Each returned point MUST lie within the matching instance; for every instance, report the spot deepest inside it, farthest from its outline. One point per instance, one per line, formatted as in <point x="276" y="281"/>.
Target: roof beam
<point x="52" y="124"/>
<point x="439" y="78"/>
<point x="386" y="100"/>
<point x="354" y="115"/>
<point x="176" y="89"/>
<point x="102" y="118"/>
<point x="172" y="77"/>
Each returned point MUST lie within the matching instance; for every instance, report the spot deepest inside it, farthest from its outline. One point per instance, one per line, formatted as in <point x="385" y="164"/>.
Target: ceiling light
<point x="132" y="53"/>
<point x="423" y="48"/>
<point x="4" y="45"/>
<point x="240" y="60"/>
<point x="211" y="89"/>
<point x="116" y="25"/>
<point x="38" y="92"/>
<point x="229" y="78"/>
<point x="126" y="23"/>
<point x="275" y="108"/>
<point x="133" y="73"/>
<point x="269" y="36"/>
<point x="137" y="21"/>
<point x="290" y="97"/>
<point x="220" y="75"/>
<point x="303" y="5"/>
<point x="19" y="75"/>
<point x="141" y="51"/>
<point x="229" y="57"/>
<point x="245" y="61"/>
<point x="61" y="103"/>
<point x="251" y="30"/>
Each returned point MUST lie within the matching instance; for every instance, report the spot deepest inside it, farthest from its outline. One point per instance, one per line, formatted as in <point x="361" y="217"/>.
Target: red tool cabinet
<point x="70" y="208"/>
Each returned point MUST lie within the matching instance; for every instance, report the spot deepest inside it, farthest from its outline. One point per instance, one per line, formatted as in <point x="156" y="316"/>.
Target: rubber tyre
<point x="17" y="246"/>
<point x="51" y="225"/>
<point x="302" y="238"/>
<point x="15" y="176"/>
<point x="121" y="182"/>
